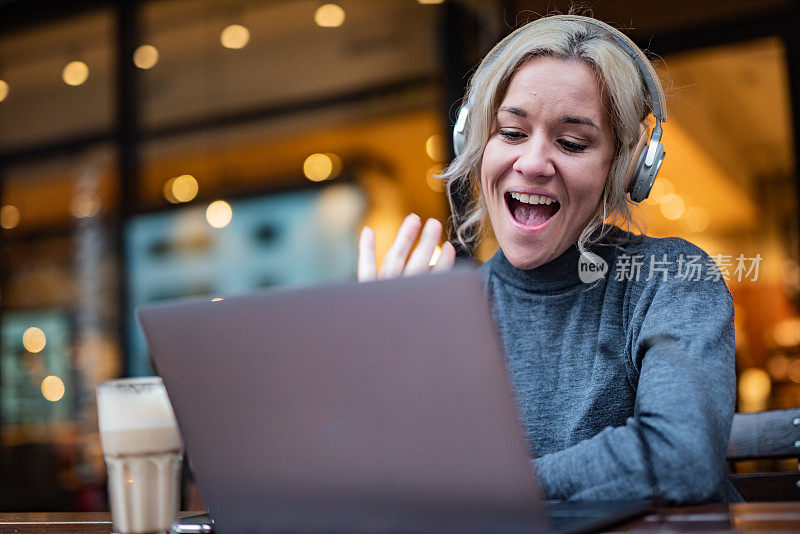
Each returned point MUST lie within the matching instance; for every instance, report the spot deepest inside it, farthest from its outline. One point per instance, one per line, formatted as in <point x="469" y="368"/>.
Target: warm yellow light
<point x="235" y="37"/>
<point x="433" y="180"/>
<point x="3" y="90"/>
<point x="145" y="57"/>
<point x="697" y="219"/>
<point x="85" y="205"/>
<point x="794" y="371"/>
<point x="53" y="388"/>
<point x="430" y="2"/>
<point x="75" y="73"/>
<point x="791" y="273"/>
<point x="167" y="190"/>
<point x="778" y="367"/>
<point x="754" y="388"/>
<point x="216" y="299"/>
<point x="219" y="214"/>
<point x="434" y="146"/>
<point x="661" y="187"/>
<point x="667" y="185"/>
<point x="184" y="188"/>
<point x="9" y="216"/>
<point x="34" y="340"/>
<point x="787" y="332"/>
<point x="672" y="206"/>
<point x="319" y="166"/>
<point x="329" y="16"/>
<point x="437" y="253"/>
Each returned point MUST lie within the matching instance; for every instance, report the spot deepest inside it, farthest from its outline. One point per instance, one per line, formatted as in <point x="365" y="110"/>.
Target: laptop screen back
<point x="384" y="397"/>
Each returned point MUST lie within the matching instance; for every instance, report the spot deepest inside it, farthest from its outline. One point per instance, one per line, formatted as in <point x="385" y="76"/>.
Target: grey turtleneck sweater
<point x="625" y="387"/>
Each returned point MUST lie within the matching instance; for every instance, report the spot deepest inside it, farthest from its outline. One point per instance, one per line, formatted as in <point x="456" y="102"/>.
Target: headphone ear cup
<point x="642" y="175"/>
<point x="636" y="155"/>
<point x="460" y="130"/>
<point x="645" y="175"/>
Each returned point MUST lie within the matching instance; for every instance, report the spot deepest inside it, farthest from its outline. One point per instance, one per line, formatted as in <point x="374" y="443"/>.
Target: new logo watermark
<point x="690" y="267"/>
<point x="591" y="267"/>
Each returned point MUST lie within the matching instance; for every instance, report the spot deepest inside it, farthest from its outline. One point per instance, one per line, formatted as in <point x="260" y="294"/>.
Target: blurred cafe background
<point x="167" y="148"/>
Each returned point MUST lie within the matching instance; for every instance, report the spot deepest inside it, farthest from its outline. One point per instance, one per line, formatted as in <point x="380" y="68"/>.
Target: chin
<point x="523" y="260"/>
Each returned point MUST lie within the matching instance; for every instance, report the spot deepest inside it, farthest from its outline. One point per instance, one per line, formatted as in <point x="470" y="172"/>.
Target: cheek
<point x="586" y="191"/>
<point x="491" y="166"/>
<point x="487" y="175"/>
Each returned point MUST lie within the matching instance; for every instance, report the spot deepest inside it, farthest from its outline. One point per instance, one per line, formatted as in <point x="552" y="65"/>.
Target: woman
<point x="625" y="384"/>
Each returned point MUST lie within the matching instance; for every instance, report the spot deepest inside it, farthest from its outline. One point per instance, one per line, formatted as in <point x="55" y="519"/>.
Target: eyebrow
<point x="516" y="111"/>
<point x="566" y="119"/>
<point x="571" y="119"/>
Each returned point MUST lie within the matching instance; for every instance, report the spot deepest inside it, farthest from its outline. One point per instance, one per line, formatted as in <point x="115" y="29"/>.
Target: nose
<point x="535" y="159"/>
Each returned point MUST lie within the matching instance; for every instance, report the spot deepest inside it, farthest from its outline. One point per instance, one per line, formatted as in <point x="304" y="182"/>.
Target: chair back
<point x="773" y="434"/>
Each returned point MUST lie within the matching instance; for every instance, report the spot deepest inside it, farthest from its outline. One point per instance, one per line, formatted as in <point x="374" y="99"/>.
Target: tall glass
<point x="143" y="451"/>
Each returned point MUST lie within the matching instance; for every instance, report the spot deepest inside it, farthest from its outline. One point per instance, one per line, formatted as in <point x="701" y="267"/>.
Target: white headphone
<point x="644" y="163"/>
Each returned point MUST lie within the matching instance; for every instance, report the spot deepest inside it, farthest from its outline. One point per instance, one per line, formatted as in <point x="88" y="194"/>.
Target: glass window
<point x="727" y="185"/>
<point x="59" y="80"/>
<point x="251" y="57"/>
<point x="60" y="322"/>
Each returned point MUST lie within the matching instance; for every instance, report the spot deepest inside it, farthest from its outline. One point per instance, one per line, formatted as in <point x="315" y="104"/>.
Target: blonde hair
<point x="624" y="92"/>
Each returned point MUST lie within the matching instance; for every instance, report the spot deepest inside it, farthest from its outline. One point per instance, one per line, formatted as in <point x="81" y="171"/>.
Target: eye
<point x="571" y="146"/>
<point x="511" y="135"/>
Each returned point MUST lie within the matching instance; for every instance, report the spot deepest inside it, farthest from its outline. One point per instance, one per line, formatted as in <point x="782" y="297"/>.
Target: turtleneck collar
<point x="561" y="273"/>
<point x="556" y="275"/>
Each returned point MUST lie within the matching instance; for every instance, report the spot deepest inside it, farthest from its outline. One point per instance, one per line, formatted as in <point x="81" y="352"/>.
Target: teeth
<point x="532" y="199"/>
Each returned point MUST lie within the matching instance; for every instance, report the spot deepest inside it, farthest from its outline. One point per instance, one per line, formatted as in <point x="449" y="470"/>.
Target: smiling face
<point x="546" y="161"/>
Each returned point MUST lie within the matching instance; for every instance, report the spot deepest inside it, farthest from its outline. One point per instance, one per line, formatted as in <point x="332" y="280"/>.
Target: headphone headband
<point x="645" y="67"/>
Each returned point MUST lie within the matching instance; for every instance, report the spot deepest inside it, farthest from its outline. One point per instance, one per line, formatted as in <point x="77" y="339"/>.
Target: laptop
<point x="382" y="406"/>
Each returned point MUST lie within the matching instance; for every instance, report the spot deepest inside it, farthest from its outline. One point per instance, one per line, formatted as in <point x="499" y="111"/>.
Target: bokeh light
<point x="75" y="73"/>
<point x="34" y="340"/>
<point x="322" y="166"/>
<point x="3" y="90"/>
<point x="53" y="388"/>
<point x="661" y="187"/>
<point x="235" y="37"/>
<point x="754" y="388"/>
<point x="697" y="219"/>
<point x="219" y="214"/>
<point x="433" y="180"/>
<point x="184" y="188"/>
<point x="672" y="206"/>
<point x="787" y="332"/>
<point x="778" y="367"/>
<point x="85" y="205"/>
<point x="145" y="57"/>
<point x="794" y="371"/>
<point x="434" y="146"/>
<point x="9" y="216"/>
<point x="430" y="2"/>
<point x="329" y="16"/>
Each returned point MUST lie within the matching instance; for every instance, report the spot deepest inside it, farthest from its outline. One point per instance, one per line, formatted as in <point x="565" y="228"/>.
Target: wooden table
<point x="750" y="517"/>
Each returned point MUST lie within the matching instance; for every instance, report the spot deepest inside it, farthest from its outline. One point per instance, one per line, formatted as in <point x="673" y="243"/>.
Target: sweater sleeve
<point x="681" y="343"/>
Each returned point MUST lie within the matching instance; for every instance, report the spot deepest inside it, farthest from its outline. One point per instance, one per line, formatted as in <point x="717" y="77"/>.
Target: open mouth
<point x="531" y="210"/>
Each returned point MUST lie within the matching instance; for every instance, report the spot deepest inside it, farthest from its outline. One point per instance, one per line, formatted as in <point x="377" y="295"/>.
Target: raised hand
<point x="398" y="262"/>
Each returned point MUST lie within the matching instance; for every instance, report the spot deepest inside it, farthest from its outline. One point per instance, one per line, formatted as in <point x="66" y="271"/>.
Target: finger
<point x="446" y="259"/>
<point x="419" y="262"/>
<point x="366" y="255"/>
<point x="395" y="259"/>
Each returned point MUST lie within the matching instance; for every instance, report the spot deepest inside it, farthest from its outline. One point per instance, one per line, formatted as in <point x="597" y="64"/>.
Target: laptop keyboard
<point x="580" y="517"/>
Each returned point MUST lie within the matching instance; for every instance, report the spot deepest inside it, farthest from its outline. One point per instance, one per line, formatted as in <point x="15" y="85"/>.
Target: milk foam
<point x="129" y="405"/>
